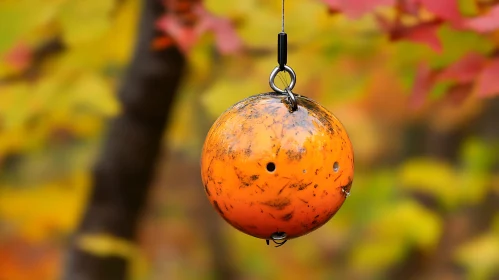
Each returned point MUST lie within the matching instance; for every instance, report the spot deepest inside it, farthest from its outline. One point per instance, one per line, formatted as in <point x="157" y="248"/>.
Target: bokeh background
<point x="414" y="83"/>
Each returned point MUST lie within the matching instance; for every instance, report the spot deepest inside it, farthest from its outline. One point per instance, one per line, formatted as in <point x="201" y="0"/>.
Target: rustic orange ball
<point x="266" y="169"/>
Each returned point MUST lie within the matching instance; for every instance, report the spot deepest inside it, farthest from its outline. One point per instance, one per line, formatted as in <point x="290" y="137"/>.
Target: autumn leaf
<point x="423" y="82"/>
<point x="409" y="7"/>
<point x="424" y="33"/>
<point x="334" y="5"/>
<point x="19" y="57"/>
<point x="226" y="38"/>
<point x="485" y="23"/>
<point x="487" y="83"/>
<point x="480" y="256"/>
<point x="440" y="179"/>
<point x="457" y="94"/>
<point x="83" y="21"/>
<point x="186" y="35"/>
<point x="356" y="8"/>
<point x="464" y="70"/>
<point x="443" y="9"/>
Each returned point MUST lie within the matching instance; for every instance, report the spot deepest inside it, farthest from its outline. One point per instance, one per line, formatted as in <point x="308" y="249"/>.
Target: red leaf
<point x="486" y="23"/>
<point x="19" y="57"/>
<point x="410" y="7"/>
<point x="487" y="83"/>
<point x="356" y="8"/>
<point x="425" y="33"/>
<point x="226" y="37"/>
<point x="444" y="9"/>
<point x="334" y="5"/>
<point x="422" y="84"/>
<point x="186" y="35"/>
<point x="465" y="70"/>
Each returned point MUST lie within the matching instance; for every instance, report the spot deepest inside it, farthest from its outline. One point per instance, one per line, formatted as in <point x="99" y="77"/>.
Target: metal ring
<point x="278" y="236"/>
<point x="273" y="74"/>
<point x="292" y="99"/>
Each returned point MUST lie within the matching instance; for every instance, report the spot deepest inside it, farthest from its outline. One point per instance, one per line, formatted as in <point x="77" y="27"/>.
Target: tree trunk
<point x="123" y="173"/>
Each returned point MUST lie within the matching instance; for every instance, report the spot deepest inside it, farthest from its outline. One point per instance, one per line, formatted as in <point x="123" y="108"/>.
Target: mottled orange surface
<point x="303" y="191"/>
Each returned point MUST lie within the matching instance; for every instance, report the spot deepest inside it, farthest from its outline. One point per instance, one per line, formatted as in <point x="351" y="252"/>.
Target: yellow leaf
<point x="106" y="245"/>
<point x="92" y="92"/>
<point x="431" y="177"/>
<point x="397" y="228"/>
<point x="85" y="20"/>
<point x="225" y="93"/>
<point x="377" y="255"/>
<point x="415" y="224"/>
<point x="106" y="52"/>
<point x="480" y="256"/>
<point x="20" y="17"/>
<point x="116" y="45"/>
<point x="38" y="212"/>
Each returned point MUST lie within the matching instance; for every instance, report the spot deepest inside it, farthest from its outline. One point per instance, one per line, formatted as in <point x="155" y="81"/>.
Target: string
<point x="282" y="76"/>
<point x="284" y="79"/>
<point x="282" y="16"/>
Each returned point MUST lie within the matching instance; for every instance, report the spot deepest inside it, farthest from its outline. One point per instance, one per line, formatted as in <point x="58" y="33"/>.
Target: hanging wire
<point x="282" y="58"/>
<point x="282" y="16"/>
<point x="283" y="77"/>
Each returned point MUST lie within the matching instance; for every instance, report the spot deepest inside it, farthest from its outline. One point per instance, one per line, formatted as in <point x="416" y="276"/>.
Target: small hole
<point x="270" y="167"/>
<point x="336" y="166"/>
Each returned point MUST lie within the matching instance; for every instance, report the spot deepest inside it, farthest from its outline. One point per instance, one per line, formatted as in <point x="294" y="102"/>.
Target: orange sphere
<point x="266" y="169"/>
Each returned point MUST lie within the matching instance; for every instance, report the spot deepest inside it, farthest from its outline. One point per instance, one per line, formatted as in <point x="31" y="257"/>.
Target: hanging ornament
<point x="277" y="165"/>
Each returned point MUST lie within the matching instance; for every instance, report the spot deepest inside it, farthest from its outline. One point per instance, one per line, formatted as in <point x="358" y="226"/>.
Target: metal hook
<point x="287" y="90"/>
<point x="274" y="73"/>
<point x="292" y="99"/>
<point x="278" y="238"/>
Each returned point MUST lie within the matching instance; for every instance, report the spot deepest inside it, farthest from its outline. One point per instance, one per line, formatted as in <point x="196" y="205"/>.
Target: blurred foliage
<point x="405" y="199"/>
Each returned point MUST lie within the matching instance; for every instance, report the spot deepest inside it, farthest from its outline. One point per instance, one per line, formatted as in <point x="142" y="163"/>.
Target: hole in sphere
<point x="336" y="166"/>
<point x="270" y="167"/>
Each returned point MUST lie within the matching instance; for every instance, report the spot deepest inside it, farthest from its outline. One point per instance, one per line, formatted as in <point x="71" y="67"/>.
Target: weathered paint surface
<point x="303" y="192"/>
